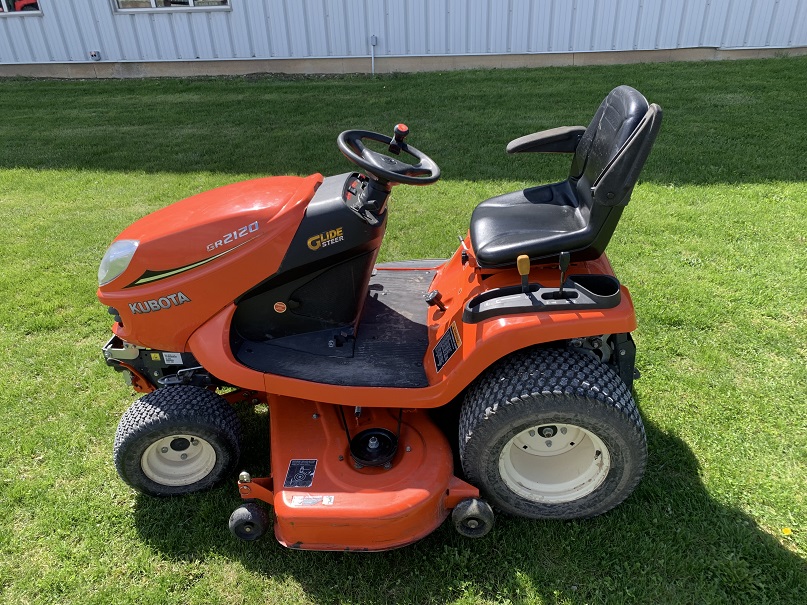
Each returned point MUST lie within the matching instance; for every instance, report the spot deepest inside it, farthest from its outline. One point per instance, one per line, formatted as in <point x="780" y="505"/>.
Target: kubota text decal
<point x="158" y="304"/>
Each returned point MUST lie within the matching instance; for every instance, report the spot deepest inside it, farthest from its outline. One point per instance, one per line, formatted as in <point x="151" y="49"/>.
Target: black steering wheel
<point x="383" y="167"/>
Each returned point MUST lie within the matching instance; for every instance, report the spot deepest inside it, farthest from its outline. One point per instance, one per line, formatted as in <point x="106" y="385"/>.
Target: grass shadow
<point x="744" y="117"/>
<point x="710" y="552"/>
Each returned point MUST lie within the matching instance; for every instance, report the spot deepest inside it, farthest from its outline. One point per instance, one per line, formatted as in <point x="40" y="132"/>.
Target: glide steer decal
<point x="158" y="304"/>
<point x="328" y="238"/>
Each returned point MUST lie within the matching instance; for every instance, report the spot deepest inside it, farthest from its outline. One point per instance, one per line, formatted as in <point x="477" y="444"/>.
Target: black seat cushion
<point x="578" y="215"/>
<point x="546" y="218"/>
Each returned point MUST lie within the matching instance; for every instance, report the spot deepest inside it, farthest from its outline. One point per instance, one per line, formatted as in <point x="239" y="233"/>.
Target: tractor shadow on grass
<point x="670" y="542"/>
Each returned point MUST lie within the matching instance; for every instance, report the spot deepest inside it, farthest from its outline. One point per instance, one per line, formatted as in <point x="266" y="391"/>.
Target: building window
<point x="13" y="6"/>
<point x="157" y="4"/>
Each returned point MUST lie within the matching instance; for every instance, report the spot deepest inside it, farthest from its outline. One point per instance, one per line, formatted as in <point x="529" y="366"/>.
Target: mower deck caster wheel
<point x="473" y="518"/>
<point x="249" y="521"/>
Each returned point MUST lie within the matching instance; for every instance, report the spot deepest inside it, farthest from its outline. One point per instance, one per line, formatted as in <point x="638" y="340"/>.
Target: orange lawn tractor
<point x="514" y="356"/>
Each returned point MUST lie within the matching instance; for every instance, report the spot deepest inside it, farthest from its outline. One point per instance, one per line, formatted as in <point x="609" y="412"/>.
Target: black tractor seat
<point x="578" y="215"/>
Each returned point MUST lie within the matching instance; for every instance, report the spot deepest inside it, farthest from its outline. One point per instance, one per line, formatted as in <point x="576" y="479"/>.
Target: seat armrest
<point x="556" y="140"/>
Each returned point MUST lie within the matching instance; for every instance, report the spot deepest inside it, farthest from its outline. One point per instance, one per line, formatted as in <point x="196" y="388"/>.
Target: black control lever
<point x="564" y="260"/>
<point x="399" y="133"/>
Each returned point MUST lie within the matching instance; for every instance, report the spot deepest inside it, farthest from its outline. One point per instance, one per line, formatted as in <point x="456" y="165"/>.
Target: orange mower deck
<point x="323" y="500"/>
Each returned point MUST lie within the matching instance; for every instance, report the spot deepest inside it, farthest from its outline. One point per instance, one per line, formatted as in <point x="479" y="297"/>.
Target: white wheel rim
<point x="178" y="460"/>
<point x="554" y="463"/>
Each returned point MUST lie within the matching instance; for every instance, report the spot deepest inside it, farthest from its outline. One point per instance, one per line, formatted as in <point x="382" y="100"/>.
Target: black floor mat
<point x="390" y="345"/>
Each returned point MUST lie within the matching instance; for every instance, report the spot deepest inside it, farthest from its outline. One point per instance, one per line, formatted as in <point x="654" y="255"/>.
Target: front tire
<point x="552" y="434"/>
<point x="177" y="440"/>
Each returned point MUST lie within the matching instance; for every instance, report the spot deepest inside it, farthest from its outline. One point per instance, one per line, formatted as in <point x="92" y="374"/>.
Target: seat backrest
<point x="609" y="159"/>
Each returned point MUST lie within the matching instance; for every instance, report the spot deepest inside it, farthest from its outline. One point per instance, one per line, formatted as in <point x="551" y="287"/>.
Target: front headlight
<point x="117" y="258"/>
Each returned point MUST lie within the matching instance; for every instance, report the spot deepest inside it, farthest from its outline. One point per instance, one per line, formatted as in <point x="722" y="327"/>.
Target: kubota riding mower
<point x="268" y="291"/>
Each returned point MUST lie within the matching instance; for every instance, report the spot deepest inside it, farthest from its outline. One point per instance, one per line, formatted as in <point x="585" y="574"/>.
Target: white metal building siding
<point x="67" y="30"/>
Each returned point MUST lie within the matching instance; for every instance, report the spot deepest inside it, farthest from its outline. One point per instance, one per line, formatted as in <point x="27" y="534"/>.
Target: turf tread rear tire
<point x="176" y="410"/>
<point x="551" y="383"/>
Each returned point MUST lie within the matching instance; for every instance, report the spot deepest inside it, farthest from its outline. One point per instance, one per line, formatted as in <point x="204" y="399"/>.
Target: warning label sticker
<point x="300" y="473"/>
<point x="173" y="359"/>
<point x="447" y="346"/>
<point x="312" y="500"/>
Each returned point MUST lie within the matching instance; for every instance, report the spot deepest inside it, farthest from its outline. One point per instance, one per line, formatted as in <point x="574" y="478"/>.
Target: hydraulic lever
<point x="564" y="260"/>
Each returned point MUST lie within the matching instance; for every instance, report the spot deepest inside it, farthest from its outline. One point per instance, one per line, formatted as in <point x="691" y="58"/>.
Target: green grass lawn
<point x="713" y="248"/>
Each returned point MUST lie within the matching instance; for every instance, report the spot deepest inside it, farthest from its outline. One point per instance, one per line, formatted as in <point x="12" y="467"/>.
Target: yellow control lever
<point x="523" y="264"/>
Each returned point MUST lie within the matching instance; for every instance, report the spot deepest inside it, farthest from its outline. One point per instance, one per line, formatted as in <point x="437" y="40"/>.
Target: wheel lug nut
<point x="563" y="430"/>
<point x="532" y="433"/>
<point x="548" y="443"/>
<point x="164" y="450"/>
<point x="184" y="456"/>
